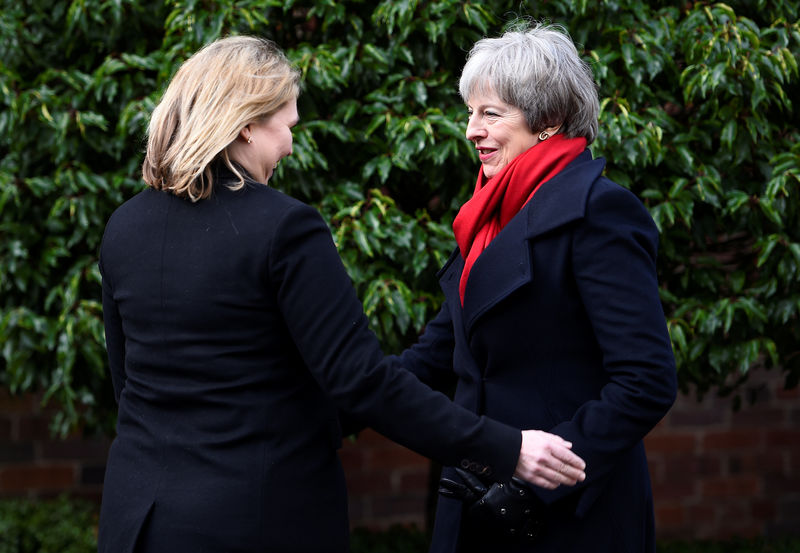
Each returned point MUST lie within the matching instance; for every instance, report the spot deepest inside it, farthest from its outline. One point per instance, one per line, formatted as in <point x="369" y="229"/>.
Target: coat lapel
<point x="505" y="264"/>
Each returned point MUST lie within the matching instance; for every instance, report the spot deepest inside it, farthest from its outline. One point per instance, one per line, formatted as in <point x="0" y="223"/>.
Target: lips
<point x="485" y="153"/>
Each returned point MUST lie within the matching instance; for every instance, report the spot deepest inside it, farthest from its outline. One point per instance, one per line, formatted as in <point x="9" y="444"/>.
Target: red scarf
<point x="495" y="201"/>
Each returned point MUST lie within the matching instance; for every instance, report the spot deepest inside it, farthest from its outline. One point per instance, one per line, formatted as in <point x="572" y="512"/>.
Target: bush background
<point x="699" y="119"/>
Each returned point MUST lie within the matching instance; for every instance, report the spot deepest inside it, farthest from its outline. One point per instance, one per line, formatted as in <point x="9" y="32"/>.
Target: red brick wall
<point x="33" y="464"/>
<point x="716" y="473"/>
<point x="719" y="473"/>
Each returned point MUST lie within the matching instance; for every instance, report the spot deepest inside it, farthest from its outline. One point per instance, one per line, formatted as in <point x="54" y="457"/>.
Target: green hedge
<point x="699" y="119"/>
<point x="58" y="526"/>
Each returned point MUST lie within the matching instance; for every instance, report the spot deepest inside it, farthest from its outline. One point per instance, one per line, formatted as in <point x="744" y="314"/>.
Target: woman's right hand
<point x="546" y="460"/>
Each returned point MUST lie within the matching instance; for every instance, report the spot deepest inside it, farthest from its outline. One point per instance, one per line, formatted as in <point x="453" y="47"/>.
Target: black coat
<point x="234" y="335"/>
<point x="562" y="330"/>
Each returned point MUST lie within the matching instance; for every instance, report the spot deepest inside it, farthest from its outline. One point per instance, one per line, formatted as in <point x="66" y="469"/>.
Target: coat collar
<point x="562" y="199"/>
<point x="505" y="264"/>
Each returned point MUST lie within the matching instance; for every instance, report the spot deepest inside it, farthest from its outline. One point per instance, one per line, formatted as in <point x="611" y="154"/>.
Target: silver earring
<point x="249" y="139"/>
<point x="543" y="135"/>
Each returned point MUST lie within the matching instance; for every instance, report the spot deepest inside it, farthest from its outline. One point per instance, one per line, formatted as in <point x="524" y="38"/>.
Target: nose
<point x="475" y="129"/>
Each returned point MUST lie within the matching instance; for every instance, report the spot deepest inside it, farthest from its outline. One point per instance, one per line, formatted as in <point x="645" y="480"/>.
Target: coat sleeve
<point x="329" y="328"/>
<point x="431" y="358"/>
<point x="614" y="263"/>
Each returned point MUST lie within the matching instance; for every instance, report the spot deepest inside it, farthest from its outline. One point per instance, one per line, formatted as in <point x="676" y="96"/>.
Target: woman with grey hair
<point x="552" y="318"/>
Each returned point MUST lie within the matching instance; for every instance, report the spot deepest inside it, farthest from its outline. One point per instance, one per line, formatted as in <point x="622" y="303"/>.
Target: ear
<point x="245" y="134"/>
<point x="553" y="130"/>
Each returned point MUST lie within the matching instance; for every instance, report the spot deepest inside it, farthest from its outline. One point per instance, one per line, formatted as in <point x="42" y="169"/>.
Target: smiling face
<point x="498" y="130"/>
<point x="270" y="140"/>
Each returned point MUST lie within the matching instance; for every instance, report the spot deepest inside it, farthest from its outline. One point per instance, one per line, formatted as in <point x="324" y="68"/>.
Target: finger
<point x="567" y="474"/>
<point x="541" y="481"/>
<point x="473" y="482"/>
<point x="568" y="458"/>
<point x="449" y="487"/>
<point x="556" y="439"/>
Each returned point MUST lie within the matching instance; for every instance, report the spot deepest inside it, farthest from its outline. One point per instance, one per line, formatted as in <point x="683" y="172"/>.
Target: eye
<point x="491" y="114"/>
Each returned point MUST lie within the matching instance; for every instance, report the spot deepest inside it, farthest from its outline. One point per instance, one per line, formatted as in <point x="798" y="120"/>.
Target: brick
<point x="782" y="529"/>
<point x="670" y="516"/>
<point x="678" y="442"/>
<point x="702" y="512"/>
<point x="759" y="463"/>
<point x="783" y="438"/>
<point x="75" y="449"/>
<point x="397" y="456"/>
<point x="399" y="505"/>
<point x="356" y="512"/>
<point x="25" y="403"/>
<point x="20" y="478"/>
<point x="6" y="429"/>
<point x="778" y="483"/>
<point x="367" y="482"/>
<point x="672" y="533"/>
<point x="352" y="458"/>
<point x="732" y="440"/>
<point x="92" y="475"/>
<point x="678" y="468"/>
<point x="93" y="494"/>
<point x="697" y="418"/>
<point x="789" y="510"/>
<point x="655" y="465"/>
<point x="728" y="530"/>
<point x="19" y="452"/>
<point x="680" y="490"/>
<point x="760" y="417"/>
<point x="369" y="437"/>
<point x="702" y="515"/>
<point x="756" y="394"/>
<point x="791" y="394"/>
<point x="731" y="486"/>
<point x="34" y="427"/>
<point x="763" y="510"/>
<point x="734" y="509"/>
<point x="413" y="480"/>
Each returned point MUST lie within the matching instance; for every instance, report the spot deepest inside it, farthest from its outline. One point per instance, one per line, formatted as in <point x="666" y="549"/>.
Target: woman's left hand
<point x="546" y="460"/>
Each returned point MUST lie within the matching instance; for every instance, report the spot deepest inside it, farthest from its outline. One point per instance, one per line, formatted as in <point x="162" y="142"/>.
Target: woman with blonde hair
<point x="235" y="338"/>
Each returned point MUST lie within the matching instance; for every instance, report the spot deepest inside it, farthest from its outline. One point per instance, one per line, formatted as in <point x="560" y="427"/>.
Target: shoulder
<point x="609" y="200"/>
<point x="257" y="208"/>
<point x="132" y="210"/>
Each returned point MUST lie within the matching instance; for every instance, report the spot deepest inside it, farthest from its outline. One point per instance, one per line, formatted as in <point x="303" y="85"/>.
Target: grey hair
<point x="537" y="69"/>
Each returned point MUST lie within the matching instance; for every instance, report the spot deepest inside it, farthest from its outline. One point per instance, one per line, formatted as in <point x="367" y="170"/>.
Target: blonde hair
<point x="223" y="87"/>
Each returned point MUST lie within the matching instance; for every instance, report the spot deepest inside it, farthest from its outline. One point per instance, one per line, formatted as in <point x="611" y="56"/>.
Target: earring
<point x="249" y="139"/>
<point x="543" y="135"/>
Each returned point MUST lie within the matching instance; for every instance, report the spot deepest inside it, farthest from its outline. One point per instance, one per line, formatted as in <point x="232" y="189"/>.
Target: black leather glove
<point x="508" y="510"/>
<point x="469" y="490"/>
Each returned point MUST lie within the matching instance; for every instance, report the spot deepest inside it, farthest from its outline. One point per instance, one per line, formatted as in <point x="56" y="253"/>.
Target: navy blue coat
<point x="562" y="330"/>
<point x="234" y="337"/>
